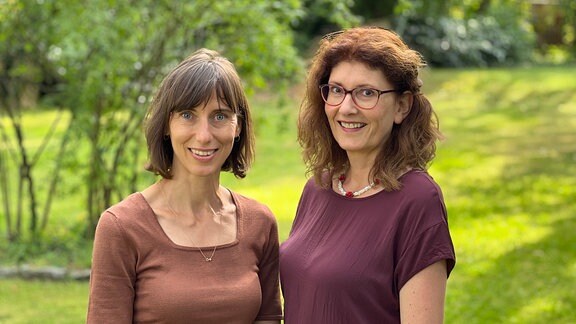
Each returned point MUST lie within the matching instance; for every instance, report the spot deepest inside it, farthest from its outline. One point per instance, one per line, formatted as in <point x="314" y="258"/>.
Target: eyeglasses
<point x="363" y="97"/>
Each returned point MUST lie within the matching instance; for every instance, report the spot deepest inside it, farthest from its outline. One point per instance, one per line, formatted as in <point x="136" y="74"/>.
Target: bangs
<point x="202" y="83"/>
<point x="193" y="90"/>
<point x="231" y="92"/>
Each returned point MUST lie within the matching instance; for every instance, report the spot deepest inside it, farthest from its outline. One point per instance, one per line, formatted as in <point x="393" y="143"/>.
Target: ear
<point x="403" y="106"/>
<point x="238" y="129"/>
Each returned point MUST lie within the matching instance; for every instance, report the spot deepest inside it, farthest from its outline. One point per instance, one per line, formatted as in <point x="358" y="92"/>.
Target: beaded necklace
<point x="351" y="194"/>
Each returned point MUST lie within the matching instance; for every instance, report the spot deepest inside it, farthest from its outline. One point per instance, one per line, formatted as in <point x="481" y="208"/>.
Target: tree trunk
<point x="56" y="175"/>
<point x="4" y="190"/>
<point x="26" y="177"/>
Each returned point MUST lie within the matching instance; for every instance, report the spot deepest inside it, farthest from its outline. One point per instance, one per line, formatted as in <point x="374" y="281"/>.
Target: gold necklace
<point x="208" y="259"/>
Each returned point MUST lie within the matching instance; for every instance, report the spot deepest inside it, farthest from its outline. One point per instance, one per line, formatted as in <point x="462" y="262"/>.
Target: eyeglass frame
<point x="351" y="92"/>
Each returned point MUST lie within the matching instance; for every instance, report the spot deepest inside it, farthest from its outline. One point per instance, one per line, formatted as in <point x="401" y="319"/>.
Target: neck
<point x="358" y="172"/>
<point x="200" y="201"/>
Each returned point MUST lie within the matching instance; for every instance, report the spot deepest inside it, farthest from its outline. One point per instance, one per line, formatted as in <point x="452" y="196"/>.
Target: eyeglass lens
<point x="334" y="95"/>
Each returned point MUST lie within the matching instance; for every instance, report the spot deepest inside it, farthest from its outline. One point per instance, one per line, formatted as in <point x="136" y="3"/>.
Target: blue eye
<point x="220" y="117"/>
<point x="186" y="114"/>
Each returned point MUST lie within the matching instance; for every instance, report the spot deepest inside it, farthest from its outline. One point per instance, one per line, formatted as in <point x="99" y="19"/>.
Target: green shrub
<point x="476" y="42"/>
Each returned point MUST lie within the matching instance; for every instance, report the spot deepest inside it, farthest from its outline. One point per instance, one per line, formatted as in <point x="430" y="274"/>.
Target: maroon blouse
<point x="346" y="259"/>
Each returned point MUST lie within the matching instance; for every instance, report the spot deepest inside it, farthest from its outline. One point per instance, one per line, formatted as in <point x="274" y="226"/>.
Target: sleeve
<point x="112" y="275"/>
<point x="430" y="247"/>
<point x="270" y="308"/>
<point x="425" y="239"/>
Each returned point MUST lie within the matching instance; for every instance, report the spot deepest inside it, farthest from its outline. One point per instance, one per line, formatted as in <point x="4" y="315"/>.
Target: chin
<point x="349" y="145"/>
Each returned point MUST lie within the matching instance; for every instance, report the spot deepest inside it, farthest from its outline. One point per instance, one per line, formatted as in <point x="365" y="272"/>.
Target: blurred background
<point x="76" y="78"/>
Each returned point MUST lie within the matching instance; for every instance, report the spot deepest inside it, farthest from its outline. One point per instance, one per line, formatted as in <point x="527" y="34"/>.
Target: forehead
<point x="202" y="99"/>
<point x="354" y="73"/>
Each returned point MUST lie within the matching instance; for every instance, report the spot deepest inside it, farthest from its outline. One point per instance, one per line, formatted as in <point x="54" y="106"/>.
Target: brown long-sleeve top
<point x="140" y="276"/>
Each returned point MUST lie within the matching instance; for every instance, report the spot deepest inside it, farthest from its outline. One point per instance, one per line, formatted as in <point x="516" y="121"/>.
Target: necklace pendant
<point x="208" y="259"/>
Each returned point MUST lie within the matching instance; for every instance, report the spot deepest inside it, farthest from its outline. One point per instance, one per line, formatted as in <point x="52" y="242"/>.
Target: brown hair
<point x="189" y="85"/>
<point x="411" y="143"/>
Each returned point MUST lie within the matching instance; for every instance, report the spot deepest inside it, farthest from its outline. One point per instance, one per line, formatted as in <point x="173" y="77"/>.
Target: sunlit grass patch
<point x="537" y="309"/>
<point x="38" y="301"/>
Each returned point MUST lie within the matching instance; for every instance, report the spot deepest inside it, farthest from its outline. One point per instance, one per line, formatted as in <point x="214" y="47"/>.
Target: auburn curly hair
<point x="412" y="144"/>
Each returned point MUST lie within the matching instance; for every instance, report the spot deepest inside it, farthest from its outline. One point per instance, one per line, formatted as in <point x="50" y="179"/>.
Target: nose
<point x="204" y="131"/>
<point x="348" y="106"/>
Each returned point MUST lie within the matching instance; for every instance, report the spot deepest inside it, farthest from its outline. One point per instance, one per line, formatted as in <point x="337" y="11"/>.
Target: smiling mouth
<point x="204" y="153"/>
<point x="351" y="125"/>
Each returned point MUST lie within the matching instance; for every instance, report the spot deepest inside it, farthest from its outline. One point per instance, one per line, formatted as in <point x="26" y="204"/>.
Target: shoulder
<point x="421" y="201"/>
<point x="132" y="206"/>
<point x="312" y="187"/>
<point x="252" y="208"/>
<point x="312" y="194"/>
<point x="133" y="221"/>
<point x="131" y="215"/>
<point x="419" y="186"/>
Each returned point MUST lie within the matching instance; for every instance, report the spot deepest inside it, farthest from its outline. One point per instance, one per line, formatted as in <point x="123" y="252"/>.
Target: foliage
<point x="552" y="23"/>
<point x="481" y="35"/>
<point x="321" y="17"/>
<point x="116" y="52"/>
<point x="370" y="10"/>
<point x="555" y="27"/>
<point x="101" y="60"/>
<point x="425" y="8"/>
<point x="569" y="7"/>
<point x="480" y="41"/>
<point x="457" y="8"/>
<point x="25" y="70"/>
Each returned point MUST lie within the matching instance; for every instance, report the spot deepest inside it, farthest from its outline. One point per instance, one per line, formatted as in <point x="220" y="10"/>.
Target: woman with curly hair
<point x="370" y="241"/>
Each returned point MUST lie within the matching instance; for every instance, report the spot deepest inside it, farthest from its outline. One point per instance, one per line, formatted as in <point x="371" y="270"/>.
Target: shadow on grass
<point x="532" y="199"/>
<point x="532" y="283"/>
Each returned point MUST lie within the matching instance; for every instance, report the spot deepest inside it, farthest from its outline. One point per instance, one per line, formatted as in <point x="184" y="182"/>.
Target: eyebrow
<point x="225" y="107"/>
<point x="363" y="85"/>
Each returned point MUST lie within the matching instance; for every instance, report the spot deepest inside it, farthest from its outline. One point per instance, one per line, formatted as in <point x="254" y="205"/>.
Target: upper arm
<point x="422" y="297"/>
<point x="269" y="277"/>
<point x="112" y="274"/>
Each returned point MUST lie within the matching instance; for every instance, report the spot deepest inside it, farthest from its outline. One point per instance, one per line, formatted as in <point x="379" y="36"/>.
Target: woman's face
<point x="361" y="132"/>
<point x="202" y="138"/>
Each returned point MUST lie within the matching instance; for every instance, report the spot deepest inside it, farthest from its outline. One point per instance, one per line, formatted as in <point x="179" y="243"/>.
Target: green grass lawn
<point x="507" y="168"/>
<point x="43" y="302"/>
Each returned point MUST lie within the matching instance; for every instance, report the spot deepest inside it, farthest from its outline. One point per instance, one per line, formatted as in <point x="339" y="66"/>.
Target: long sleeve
<point x="113" y="274"/>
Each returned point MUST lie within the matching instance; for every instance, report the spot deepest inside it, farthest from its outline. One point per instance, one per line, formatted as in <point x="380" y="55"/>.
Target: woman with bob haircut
<point x="370" y="241"/>
<point x="186" y="249"/>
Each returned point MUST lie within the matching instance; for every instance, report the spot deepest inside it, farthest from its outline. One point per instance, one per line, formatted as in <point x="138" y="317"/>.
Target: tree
<point x="102" y="59"/>
<point x="320" y="17"/>
<point x="25" y="63"/>
<point x="116" y="51"/>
